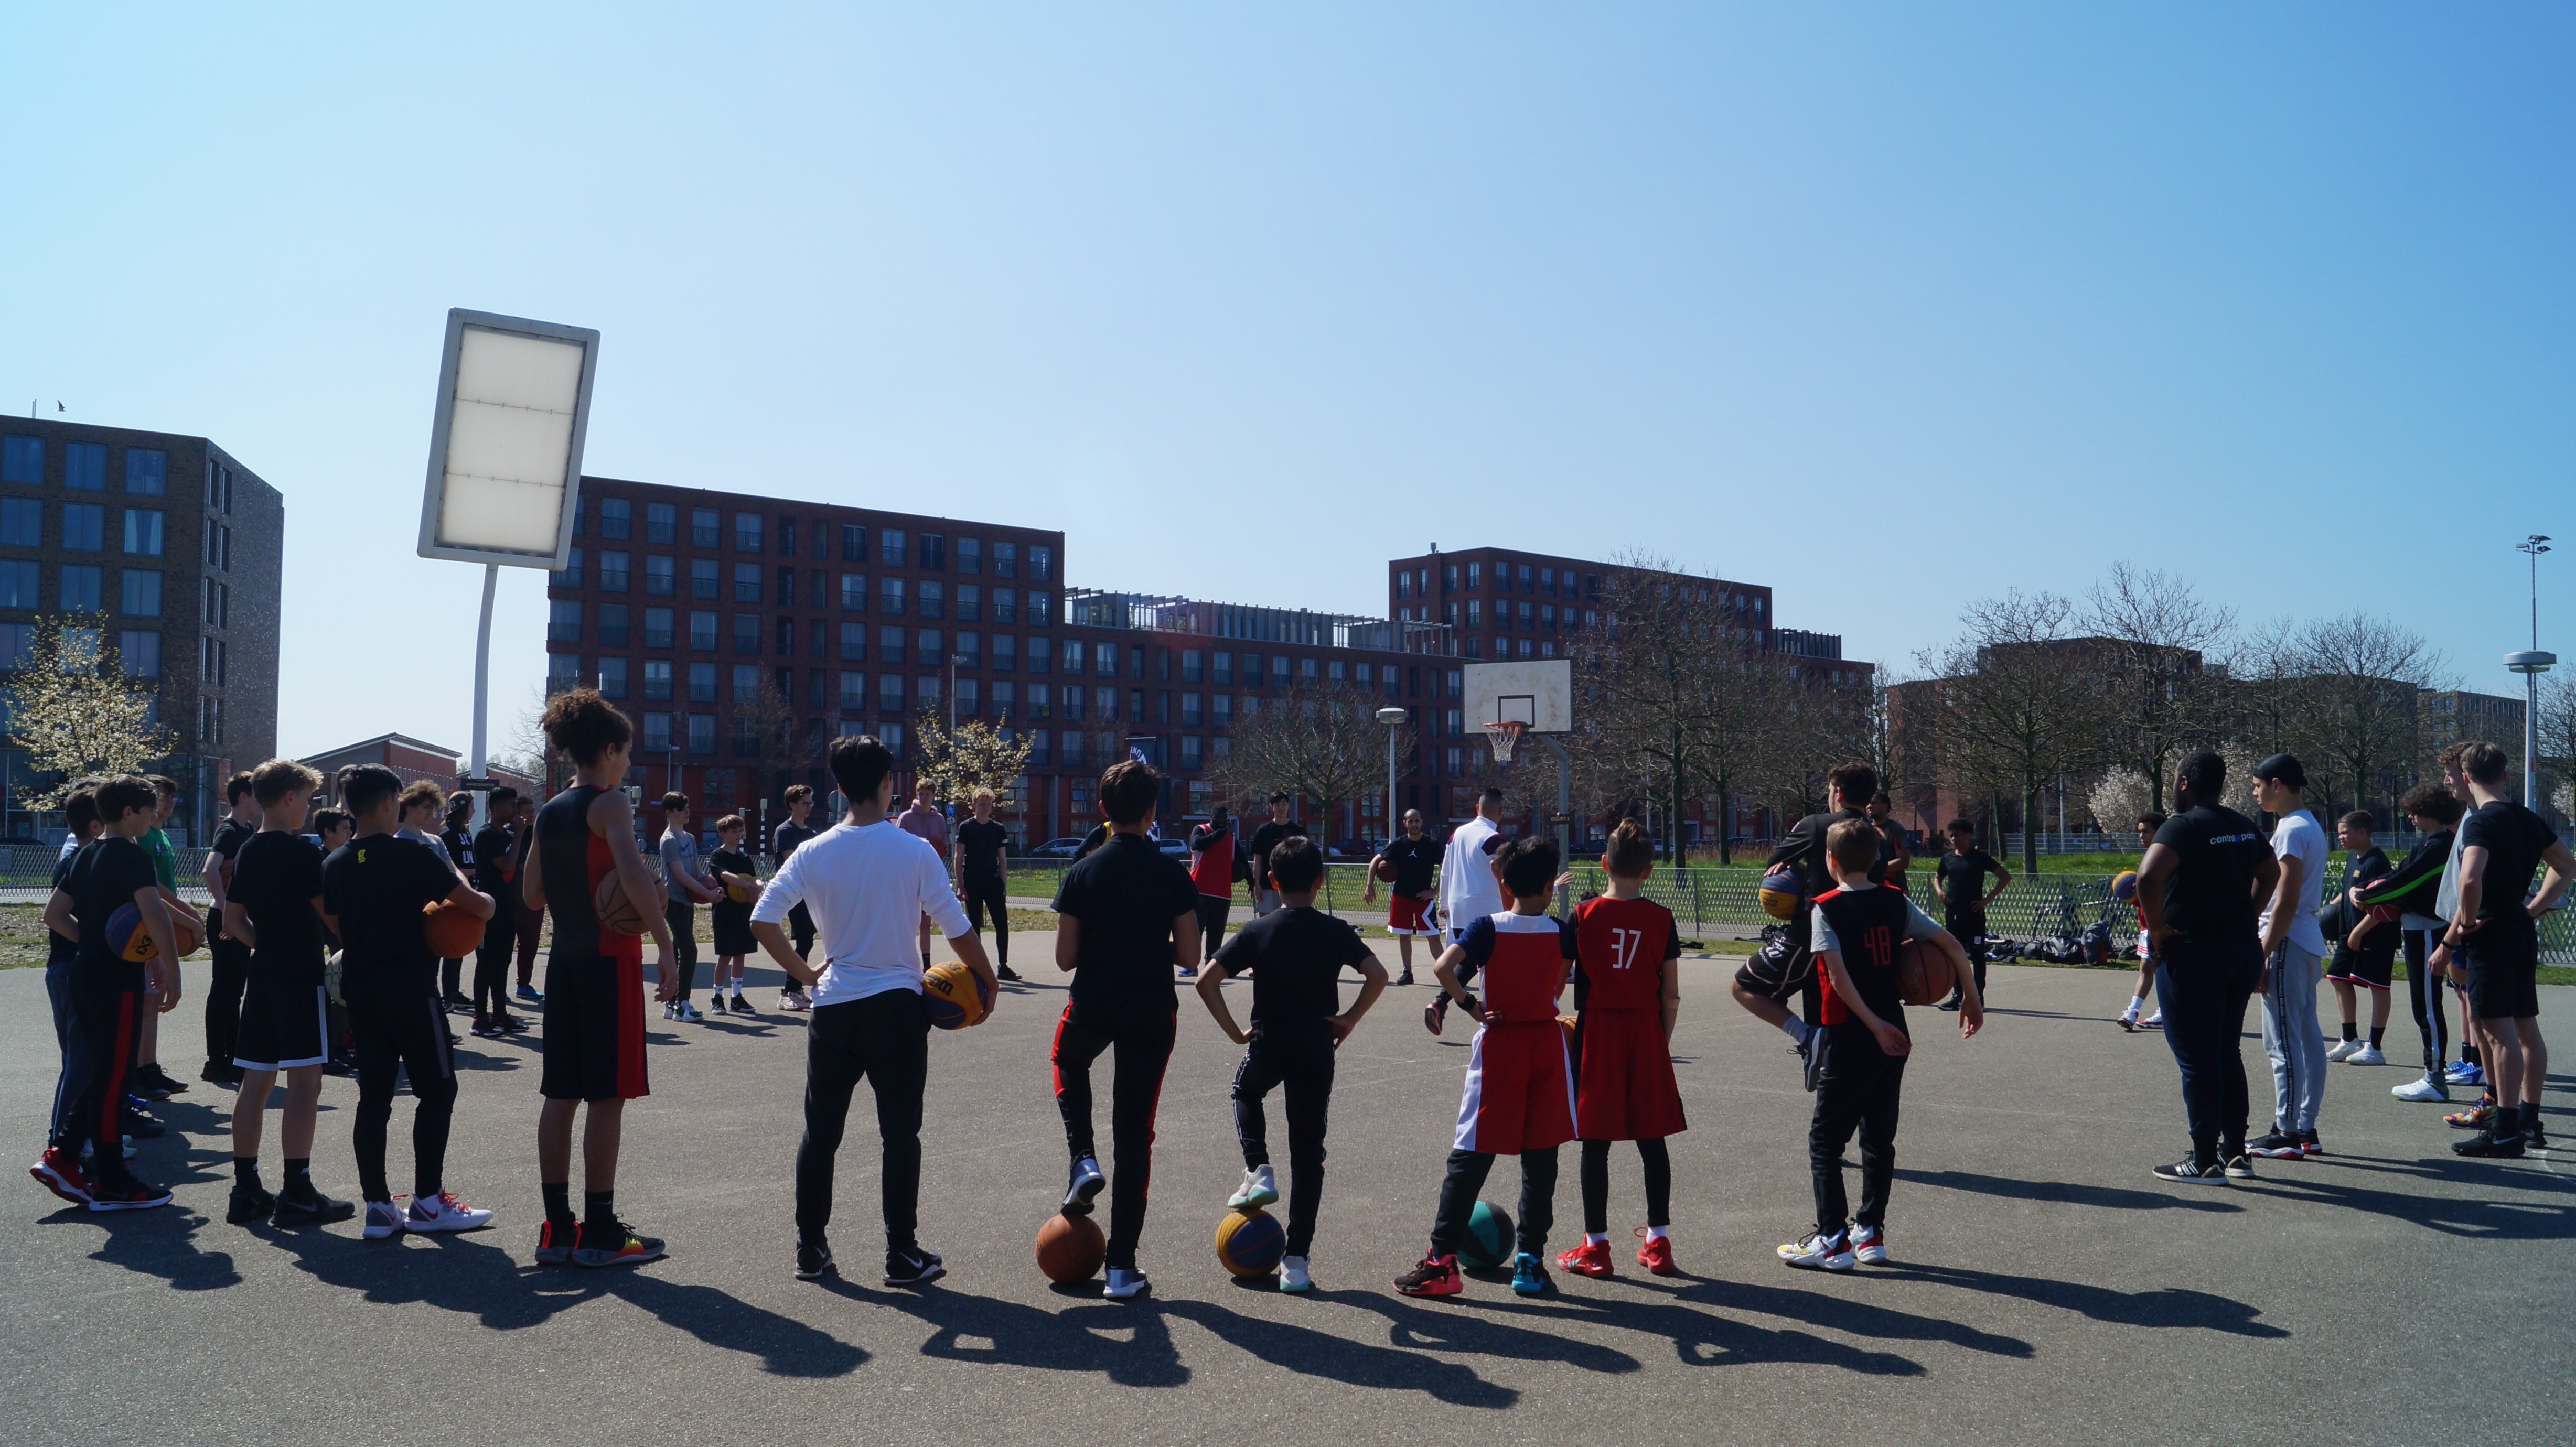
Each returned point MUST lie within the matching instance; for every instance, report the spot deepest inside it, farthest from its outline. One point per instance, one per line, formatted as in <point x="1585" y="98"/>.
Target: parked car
<point x="1057" y="849"/>
<point x="1175" y="848"/>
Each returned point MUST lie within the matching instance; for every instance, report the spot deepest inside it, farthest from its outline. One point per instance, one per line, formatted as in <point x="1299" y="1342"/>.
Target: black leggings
<point x="1212" y="912"/>
<point x="885" y="1040"/>
<point x="1143" y="1035"/>
<point x="405" y="1034"/>
<point x="492" y="969"/>
<point x="1299" y="1057"/>
<point x="986" y="895"/>
<point x="1596" y="1184"/>
<point x="1466" y="1178"/>
<point x="2424" y="992"/>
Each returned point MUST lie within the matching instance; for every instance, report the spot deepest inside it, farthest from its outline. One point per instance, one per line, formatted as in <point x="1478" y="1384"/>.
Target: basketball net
<point x="1504" y="737"/>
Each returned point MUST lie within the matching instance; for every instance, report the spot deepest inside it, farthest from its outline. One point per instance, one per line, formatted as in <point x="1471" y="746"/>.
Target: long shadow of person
<point x="473" y="1274"/>
<point x="1706" y="1338"/>
<point x="2472" y="1216"/>
<point x="2065" y="1193"/>
<point x="1339" y="1359"/>
<point x="1080" y="1339"/>
<point x="2168" y="1307"/>
<point x="160" y="1243"/>
<point x="1849" y="1315"/>
<point x="1452" y="1330"/>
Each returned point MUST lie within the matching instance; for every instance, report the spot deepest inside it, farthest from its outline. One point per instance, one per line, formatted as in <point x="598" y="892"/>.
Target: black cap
<point x="2283" y="769"/>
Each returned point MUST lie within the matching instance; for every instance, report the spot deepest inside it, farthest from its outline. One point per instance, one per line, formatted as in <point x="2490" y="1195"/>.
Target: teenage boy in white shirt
<point x="2294" y="949"/>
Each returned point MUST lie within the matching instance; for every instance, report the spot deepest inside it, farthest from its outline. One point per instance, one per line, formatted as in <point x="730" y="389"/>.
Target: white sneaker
<point x="671" y="1011"/>
<point x="1869" y="1245"/>
<point x="2366" y="1055"/>
<point x="688" y="1013"/>
<point x="1293" y="1275"/>
<point x="790" y="1000"/>
<point x="2155" y="1021"/>
<point x="2420" y="1089"/>
<point x="2344" y="1050"/>
<point x="1258" y="1189"/>
<point x="1124" y="1282"/>
<point x="384" y="1219"/>
<point x="445" y="1213"/>
<point x="1816" y="1251"/>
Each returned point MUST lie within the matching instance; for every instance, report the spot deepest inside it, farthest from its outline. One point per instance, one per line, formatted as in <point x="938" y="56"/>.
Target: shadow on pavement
<point x="160" y="1243"/>
<point x="1321" y="1354"/>
<point x="2069" y="1193"/>
<point x="2171" y="1307"/>
<point x="1447" y="1328"/>
<point x="1843" y="1314"/>
<point x="1706" y="1339"/>
<point x="1074" y="1340"/>
<point x="2451" y="1216"/>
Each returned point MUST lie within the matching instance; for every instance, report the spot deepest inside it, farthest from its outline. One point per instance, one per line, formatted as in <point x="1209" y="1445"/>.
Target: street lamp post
<point x="2531" y="665"/>
<point x="1393" y="718"/>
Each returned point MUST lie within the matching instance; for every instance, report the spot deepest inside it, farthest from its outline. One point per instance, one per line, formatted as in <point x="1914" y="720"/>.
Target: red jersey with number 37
<point x="1622" y="945"/>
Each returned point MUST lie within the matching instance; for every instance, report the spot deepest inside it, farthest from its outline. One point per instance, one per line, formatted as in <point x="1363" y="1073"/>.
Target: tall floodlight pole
<point x="505" y="466"/>
<point x="2531" y="665"/>
<point x="1394" y="719"/>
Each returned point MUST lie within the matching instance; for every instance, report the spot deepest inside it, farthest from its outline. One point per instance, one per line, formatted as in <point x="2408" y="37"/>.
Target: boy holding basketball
<point x="1520" y="1080"/>
<point x="594" y="1000"/>
<point x="1861" y="1044"/>
<point x="689" y="887"/>
<point x="1296" y="954"/>
<point x="866" y="882"/>
<point x="739" y="878"/>
<point x="1627" y="996"/>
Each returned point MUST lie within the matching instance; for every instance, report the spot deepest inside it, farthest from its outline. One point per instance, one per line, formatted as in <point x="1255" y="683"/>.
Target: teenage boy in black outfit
<point x="2358" y="961"/>
<point x="1784" y="966"/>
<point x="460" y="853"/>
<point x="1964" y="897"/>
<point x="1265" y="897"/>
<point x="231" y="957"/>
<point x="2201" y="890"/>
<point x="791" y="832"/>
<point x="1297" y="1024"/>
<point x="983" y="863"/>
<point x="1415" y="855"/>
<point x="2412" y="890"/>
<point x="1128" y="915"/>
<point x="374" y="889"/>
<point x="496" y="867"/>
<point x="2495" y="938"/>
<point x="108" y="995"/>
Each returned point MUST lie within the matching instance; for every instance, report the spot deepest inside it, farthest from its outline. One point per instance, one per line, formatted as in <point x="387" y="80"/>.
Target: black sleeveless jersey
<point x="1868" y="924"/>
<point x="564" y="849"/>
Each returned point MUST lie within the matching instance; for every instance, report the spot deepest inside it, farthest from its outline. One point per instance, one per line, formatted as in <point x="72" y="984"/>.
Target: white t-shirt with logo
<point x="2298" y="837"/>
<point x="1468" y="889"/>
<point x="867" y="889"/>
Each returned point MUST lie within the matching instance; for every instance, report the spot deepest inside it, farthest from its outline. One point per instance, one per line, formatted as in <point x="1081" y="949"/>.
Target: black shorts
<point x="285" y="1020"/>
<point x="594" y="1043"/>
<point x="1781" y="968"/>
<point x="2504" y="975"/>
<point x="2366" y="966"/>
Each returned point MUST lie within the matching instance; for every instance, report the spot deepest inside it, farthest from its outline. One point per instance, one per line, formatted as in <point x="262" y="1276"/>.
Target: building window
<point x="1073" y="697"/>
<point x="786" y="588"/>
<point x="702" y="683"/>
<point x="661" y="523"/>
<point x="85" y="466"/>
<point x="1005" y="699"/>
<point x="702" y="578"/>
<point x="563" y="670"/>
<point x="147" y="471"/>
<point x="657" y="679"/>
<point x="746" y="682"/>
<point x="890" y="596"/>
<point x="702" y="733"/>
<point x="926" y="647"/>
<point x="702" y="632"/>
<point x="1104" y="659"/>
<point x="1006" y="560"/>
<point x="703" y="526"/>
<point x="786" y="536"/>
<point x="854" y="592"/>
<point x="970" y="603"/>
<point x="612" y="674"/>
<point x="1040" y="612"/>
<point x="1223" y="713"/>
<point x="889" y="644"/>
<point x="612" y="572"/>
<point x="1190" y="751"/>
<point x="1547" y="617"/>
<point x="933" y="597"/>
<point x="854" y="690"/>
<point x="22" y="522"/>
<point x="970" y="650"/>
<point x="563" y="620"/>
<point x="746" y="582"/>
<point x="616" y="518"/>
<point x="746" y="532"/>
<point x="19" y="588"/>
<point x="1039" y="695"/>
<point x="1041" y="563"/>
<point x="854" y="642"/>
<point x="569" y="575"/>
<point x="661" y="575"/>
<point x="854" y="543"/>
<point x="746" y="633"/>
<point x="786" y="637"/>
<point x="22" y="459"/>
<point x="1006" y="605"/>
<point x="890" y="694"/>
<point x="893" y="548"/>
<point x="657" y="732"/>
<point x="1189" y="710"/>
<point x="84" y="526"/>
<point x="1190" y="665"/>
<point x="890" y="734"/>
<point x="969" y="700"/>
<point x="934" y="552"/>
<point x="612" y="625"/>
<point x="1040" y="655"/>
<point x="970" y="555"/>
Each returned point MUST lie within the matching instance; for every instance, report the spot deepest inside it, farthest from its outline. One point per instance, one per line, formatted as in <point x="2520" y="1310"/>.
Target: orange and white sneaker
<point x="1592" y="1258"/>
<point x="1655" y="1253"/>
<point x="446" y="1212"/>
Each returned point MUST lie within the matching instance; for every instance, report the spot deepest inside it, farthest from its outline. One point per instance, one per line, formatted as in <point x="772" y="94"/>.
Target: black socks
<point x="599" y="1208"/>
<point x="2347" y="1032"/>
<point x="246" y="1171"/>
<point x="299" y="1178"/>
<point x="558" y="1196"/>
<point x="2377" y="1031"/>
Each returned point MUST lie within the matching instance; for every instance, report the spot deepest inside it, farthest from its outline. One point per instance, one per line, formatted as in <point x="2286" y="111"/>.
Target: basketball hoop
<point x="1504" y="737"/>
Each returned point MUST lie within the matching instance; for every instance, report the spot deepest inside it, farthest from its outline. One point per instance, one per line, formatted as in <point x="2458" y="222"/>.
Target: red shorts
<point x="1624" y="1086"/>
<point x="1520" y="1089"/>
<point x="1406" y="915"/>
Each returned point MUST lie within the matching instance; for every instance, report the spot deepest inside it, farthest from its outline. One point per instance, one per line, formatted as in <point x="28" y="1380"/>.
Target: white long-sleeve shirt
<point x="1468" y="889"/>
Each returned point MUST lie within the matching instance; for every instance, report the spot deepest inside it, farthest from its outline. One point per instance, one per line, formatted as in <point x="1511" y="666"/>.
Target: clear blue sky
<point x="1884" y="306"/>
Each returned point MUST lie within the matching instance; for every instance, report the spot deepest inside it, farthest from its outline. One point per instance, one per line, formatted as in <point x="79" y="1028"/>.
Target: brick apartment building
<point x="690" y="607"/>
<point x="181" y="547"/>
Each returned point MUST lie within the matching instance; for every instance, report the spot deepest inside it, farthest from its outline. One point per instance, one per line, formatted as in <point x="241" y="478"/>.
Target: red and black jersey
<point x="1621" y="946"/>
<point x="1864" y="926"/>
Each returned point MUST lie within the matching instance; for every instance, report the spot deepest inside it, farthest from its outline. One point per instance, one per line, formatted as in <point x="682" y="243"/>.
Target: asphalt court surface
<point x="2046" y="1288"/>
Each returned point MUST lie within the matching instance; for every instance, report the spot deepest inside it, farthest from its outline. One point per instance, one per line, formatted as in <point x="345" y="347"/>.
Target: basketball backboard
<point x="1535" y="692"/>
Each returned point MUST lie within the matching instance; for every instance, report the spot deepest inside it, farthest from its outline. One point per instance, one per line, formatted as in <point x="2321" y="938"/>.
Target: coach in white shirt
<point x="1469" y="890"/>
<point x="866" y="883"/>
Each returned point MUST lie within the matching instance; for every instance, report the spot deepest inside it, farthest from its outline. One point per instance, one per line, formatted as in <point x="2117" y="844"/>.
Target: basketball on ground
<point x="1924" y="975"/>
<point x="452" y="933"/>
<point x="1489" y="1238"/>
<point x="953" y="996"/>
<point x="616" y="911"/>
<point x="1250" y="1243"/>
<point x="1070" y="1248"/>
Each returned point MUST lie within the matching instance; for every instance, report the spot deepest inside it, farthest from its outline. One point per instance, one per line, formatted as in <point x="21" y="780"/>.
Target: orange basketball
<point x="1070" y="1248"/>
<point x="616" y="911"/>
<point x="185" y="923"/>
<point x="452" y="933"/>
<point x="1383" y="871"/>
<point x="1924" y="975"/>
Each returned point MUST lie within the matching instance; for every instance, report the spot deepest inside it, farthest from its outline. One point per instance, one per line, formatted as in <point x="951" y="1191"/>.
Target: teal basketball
<point x="1489" y="1238"/>
<point x="1250" y="1243"/>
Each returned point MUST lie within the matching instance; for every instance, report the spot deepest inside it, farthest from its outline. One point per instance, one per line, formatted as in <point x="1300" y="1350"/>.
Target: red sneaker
<point x="1592" y="1258"/>
<point x="1436" y="1276"/>
<point x="61" y="1175"/>
<point x="1655" y="1253"/>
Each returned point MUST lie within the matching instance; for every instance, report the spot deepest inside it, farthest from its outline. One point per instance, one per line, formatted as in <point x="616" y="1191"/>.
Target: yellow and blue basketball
<point x="1782" y="892"/>
<point x="127" y="936"/>
<point x="1250" y="1243"/>
<point x="2124" y="885"/>
<point x="953" y="996"/>
<point x="1489" y="1238"/>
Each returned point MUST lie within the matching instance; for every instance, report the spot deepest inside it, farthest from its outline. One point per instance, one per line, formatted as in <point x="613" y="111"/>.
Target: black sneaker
<point x="614" y="1244"/>
<point x="2533" y="1137"/>
<point x="2487" y="1143"/>
<point x="2280" y="1145"/>
<point x="144" y="1127"/>
<point x="1005" y="972"/>
<point x="314" y="1210"/>
<point x="250" y="1203"/>
<point x="813" y="1260"/>
<point x="340" y="1065"/>
<point x="2191" y="1172"/>
<point x="742" y="1006"/>
<point x="913" y="1267"/>
<point x="1084" y="1184"/>
<point x="2239" y="1167"/>
<point x="223" y="1073"/>
<point x="2308" y="1143"/>
<point x="1405" y="979"/>
<point x="457" y="1004"/>
<point x="151" y="1084"/>
<point x="1952" y="1003"/>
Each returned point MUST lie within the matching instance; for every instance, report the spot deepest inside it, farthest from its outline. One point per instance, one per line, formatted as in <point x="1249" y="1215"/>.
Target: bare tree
<point x="1320" y="742"/>
<point x="2359" y="678"/>
<point x="2155" y="634"/>
<point x="2018" y="703"/>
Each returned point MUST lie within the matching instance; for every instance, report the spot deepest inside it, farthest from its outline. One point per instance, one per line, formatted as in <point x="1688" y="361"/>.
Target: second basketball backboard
<point x="1537" y="693"/>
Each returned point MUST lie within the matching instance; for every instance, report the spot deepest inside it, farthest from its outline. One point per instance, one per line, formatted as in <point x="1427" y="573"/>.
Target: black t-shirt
<point x="1265" y="839"/>
<point x="1126" y="894"/>
<point x="1963" y="879"/>
<point x="1893" y="836"/>
<point x="58" y="950"/>
<point x="459" y="848"/>
<point x="2337" y="916"/>
<point x="978" y="840"/>
<point x="103" y="879"/>
<point x="376" y="888"/>
<point x="2514" y="839"/>
<point x="784" y="839"/>
<point x="276" y="878"/>
<point x="230" y="835"/>
<point x="2209" y="897"/>
<point x="721" y="861"/>
<point x="1296" y="957"/>
<point x="1414" y="861"/>
<point x="1804" y="849"/>
<point x="491" y="855"/>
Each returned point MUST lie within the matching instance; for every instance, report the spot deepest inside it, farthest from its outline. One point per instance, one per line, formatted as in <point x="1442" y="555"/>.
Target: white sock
<point x="1596" y="1238"/>
<point x="1656" y="1233"/>
<point x="2136" y="1002"/>
<point x="1797" y="1029"/>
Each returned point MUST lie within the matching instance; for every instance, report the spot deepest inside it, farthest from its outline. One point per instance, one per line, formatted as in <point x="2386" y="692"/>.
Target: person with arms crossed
<point x="2359" y="959"/>
<point x="1280" y="825"/>
<point x="1409" y="894"/>
<point x="2495" y="936"/>
<point x="983" y="867"/>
